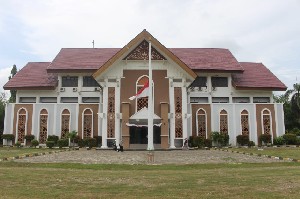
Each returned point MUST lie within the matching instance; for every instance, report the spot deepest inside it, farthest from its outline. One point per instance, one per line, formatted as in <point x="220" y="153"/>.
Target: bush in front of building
<point x="53" y="138"/>
<point x="295" y="131"/>
<point x="266" y="138"/>
<point x="8" y="136"/>
<point x="29" y="137"/>
<point x="279" y="140"/>
<point x="251" y="144"/>
<point x="50" y="144"/>
<point x="81" y="143"/>
<point x="90" y="142"/>
<point x="63" y="143"/>
<point x="99" y="140"/>
<point x="34" y="143"/>
<point x="208" y="143"/>
<point x="220" y="139"/>
<point x="18" y="144"/>
<point x="290" y="138"/>
<point x="242" y="140"/>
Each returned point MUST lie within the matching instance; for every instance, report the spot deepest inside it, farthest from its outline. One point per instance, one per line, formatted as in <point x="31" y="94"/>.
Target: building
<point x="196" y="91"/>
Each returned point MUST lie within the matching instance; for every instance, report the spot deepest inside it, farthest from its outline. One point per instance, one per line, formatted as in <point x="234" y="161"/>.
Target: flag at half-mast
<point x="143" y="92"/>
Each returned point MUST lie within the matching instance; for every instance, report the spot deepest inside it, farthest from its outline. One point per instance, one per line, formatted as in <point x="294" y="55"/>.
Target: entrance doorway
<point x="139" y="135"/>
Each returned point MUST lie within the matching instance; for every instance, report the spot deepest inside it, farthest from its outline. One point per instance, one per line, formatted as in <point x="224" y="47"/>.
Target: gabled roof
<point x="144" y="35"/>
<point x="256" y="76"/>
<point x="208" y="59"/>
<point x="143" y="115"/>
<point x="81" y="59"/>
<point x="32" y="76"/>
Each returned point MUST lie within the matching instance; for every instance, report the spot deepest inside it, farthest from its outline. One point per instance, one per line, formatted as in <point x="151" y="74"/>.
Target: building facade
<point x="195" y="91"/>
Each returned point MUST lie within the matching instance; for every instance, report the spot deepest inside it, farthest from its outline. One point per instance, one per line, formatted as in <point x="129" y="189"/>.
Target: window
<point x="65" y="123"/>
<point x="22" y="120"/>
<point x="245" y="122"/>
<point x="89" y="81"/>
<point x="69" y="81"/>
<point x="43" y="126"/>
<point x="220" y="99"/>
<point x="219" y="82"/>
<point x="199" y="82"/>
<point x="266" y="117"/>
<point x="223" y="122"/>
<point x="87" y="123"/>
<point x="27" y="99"/>
<point x="201" y="123"/>
<point x="69" y="99"/>
<point x="143" y="101"/>
<point x="261" y="100"/>
<point x="241" y="100"/>
<point x="199" y="100"/>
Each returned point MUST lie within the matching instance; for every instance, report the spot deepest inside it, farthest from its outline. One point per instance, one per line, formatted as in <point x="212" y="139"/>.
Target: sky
<point x="266" y="31"/>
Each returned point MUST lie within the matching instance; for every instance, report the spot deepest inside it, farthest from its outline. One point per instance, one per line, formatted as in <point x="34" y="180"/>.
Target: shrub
<point x="18" y="144"/>
<point x="251" y="144"/>
<point x="208" y="143"/>
<point x="290" y="138"/>
<point x="279" y="141"/>
<point x="220" y="138"/>
<point x="50" y="144"/>
<point x="34" y="143"/>
<point x="90" y="142"/>
<point x="266" y="138"/>
<point x="63" y="143"/>
<point x="8" y="136"/>
<point x="242" y="139"/>
<point x="295" y="131"/>
<point x="53" y="138"/>
<point x="81" y="143"/>
<point x="29" y="137"/>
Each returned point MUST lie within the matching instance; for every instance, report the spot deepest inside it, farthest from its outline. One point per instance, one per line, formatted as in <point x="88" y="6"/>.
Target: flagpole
<point x="150" y="106"/>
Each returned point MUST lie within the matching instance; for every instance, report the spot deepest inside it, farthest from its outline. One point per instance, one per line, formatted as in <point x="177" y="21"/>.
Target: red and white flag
<point x="143" y="92"/>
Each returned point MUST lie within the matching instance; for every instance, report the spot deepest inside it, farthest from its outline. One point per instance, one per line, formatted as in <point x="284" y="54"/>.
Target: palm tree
<point x="72" y="136"/>
<point x="295" y="101"/>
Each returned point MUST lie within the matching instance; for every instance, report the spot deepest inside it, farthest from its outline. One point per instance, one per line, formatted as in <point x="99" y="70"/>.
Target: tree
<point x="72" y="136"/>
<point x="13" y="93"/>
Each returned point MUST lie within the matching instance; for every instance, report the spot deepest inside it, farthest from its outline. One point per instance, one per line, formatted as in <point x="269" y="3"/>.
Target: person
<point x="185" y="144"/>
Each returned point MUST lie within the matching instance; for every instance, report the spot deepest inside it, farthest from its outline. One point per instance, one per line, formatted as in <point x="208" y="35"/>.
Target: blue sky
<point x="259" y="31"/>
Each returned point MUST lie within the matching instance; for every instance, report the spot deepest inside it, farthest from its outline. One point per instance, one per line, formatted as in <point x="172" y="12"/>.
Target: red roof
<point x="32" y="76"/>
<point x="208" y="59"/>
<point x="257" y="76"/>
<point x="81" y="59"/>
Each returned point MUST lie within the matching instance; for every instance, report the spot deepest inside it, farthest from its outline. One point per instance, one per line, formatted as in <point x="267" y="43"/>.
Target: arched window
<point x="266" y="122"/>
<point x="245" y="122"/>
<point x="22" y="121"/>
<point x="65" y="123"/>
<point x="43" y="126"/>
<point x="201" y="123"/>
<point x="143" y="101"/>
<point x="87" y="123"/>
<point x="223" y="122"/>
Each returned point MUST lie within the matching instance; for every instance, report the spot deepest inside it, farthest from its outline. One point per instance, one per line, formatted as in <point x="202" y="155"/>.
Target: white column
<point x="117" y="114"/>
<point x="104" y="119"/>
<point x="184" y="111"/>
<point x="34" y="127"/>
<point x="172" y="113"/>
<point x="234" y="126"/>
<point x="56" y="116"/>
<point x="150" y="105"/>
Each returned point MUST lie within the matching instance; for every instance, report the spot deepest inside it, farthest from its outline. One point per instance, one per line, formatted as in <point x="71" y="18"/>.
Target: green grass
<point x="72" y="180"/>
<point x="67" y="180"/>
<point x="6" y="152"/>
<point x="285" y="152"/>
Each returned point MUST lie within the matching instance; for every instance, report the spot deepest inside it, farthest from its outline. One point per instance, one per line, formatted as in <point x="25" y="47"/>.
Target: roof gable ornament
<point x="141" y="52"/>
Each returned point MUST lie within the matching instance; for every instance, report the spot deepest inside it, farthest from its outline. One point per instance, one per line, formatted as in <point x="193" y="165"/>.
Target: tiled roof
<point x="257" y="76"/>
<point x="208" y="59"/>
<point x="81" y="59"/>
<point x="32" y="76"/>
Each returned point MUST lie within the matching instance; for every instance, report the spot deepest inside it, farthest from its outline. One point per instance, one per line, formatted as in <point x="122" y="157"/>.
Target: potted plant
<point x="28" y="139"/>
<point x="9" y="138"/>
<point x="265" y="138"/>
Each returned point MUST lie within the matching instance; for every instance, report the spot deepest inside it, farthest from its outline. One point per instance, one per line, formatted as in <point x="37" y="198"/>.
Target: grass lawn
<point x="14" y="151"/>
<point x="66" y="180"/>
<point x="72" y="180"/>
<point x="285" y="152"/>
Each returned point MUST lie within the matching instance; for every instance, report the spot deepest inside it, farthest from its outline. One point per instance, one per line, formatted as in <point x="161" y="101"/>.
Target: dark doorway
<point x="139" y="135"/>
